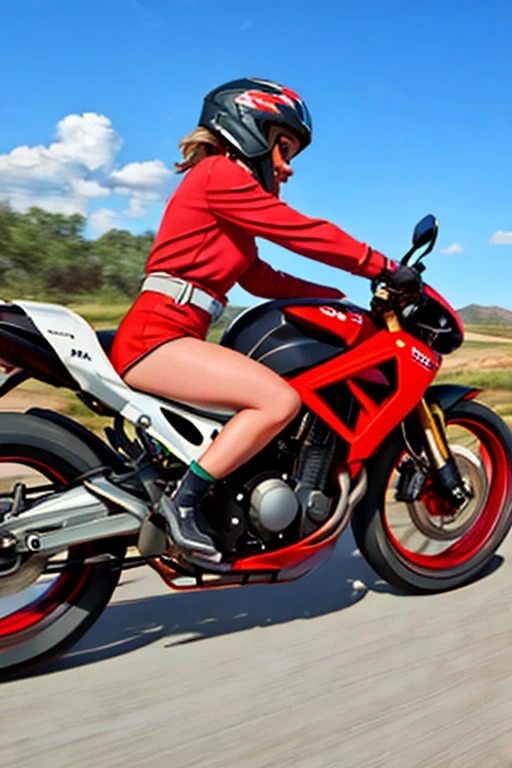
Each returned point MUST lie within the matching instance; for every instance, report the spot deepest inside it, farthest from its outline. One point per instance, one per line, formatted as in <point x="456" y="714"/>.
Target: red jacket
<point x="208" y="230"/>
<point x="207" y="236"/>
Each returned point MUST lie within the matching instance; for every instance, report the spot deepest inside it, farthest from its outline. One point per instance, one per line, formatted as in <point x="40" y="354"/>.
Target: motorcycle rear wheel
<point x="42" y="619"/>
<point x="427" y="546"/>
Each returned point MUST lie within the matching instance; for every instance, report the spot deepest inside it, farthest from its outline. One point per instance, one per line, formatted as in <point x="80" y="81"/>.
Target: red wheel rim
<point x="59" y="595"/>
<point x="495" y="463"/>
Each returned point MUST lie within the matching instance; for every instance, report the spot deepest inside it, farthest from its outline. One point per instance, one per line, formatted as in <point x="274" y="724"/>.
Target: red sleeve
<point x="262" y="280"/>
<point x="234" y="196"/>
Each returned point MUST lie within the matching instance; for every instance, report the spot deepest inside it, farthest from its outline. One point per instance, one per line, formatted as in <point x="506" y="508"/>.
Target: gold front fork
<point x="434" y="434"/>
<point x="434" y="429"/>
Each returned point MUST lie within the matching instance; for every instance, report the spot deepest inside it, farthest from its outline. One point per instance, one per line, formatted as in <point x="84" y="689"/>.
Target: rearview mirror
<point x="425" y="232"/>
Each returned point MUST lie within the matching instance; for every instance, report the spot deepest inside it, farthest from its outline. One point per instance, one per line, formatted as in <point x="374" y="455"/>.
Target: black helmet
<point x="243" y="111"/>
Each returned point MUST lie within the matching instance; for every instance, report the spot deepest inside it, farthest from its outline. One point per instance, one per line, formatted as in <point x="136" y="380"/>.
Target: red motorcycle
<point x="423" y="473"/>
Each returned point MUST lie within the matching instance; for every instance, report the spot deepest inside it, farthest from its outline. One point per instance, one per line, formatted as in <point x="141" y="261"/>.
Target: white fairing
<point x="77" y="346"/>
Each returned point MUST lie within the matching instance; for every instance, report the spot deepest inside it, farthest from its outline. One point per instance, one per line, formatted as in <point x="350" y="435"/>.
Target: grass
<point x="491" y="330"/>
<point x="495" y="346"/>
<point x="493" y="378"/>
<point x="79" y="412"/>
<point x="102" y="315"/>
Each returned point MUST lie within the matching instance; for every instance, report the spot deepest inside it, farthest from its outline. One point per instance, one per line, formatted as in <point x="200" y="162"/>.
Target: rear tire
<point x="53" y="618"/>
<point x="394" y="536"/>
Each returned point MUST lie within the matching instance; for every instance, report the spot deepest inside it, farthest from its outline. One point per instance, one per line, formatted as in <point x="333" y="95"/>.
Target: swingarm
<point x="73" y="516"/>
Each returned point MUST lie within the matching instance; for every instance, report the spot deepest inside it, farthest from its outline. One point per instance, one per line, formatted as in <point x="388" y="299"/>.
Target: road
<point x="335" y="670"/>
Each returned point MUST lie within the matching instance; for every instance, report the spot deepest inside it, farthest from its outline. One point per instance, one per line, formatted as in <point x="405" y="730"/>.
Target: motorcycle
<point x="422" y="472"/>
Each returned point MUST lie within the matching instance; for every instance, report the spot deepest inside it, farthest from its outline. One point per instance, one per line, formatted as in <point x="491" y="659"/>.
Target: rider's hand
<point x="402" y="282"/>
<point x="400" y="289"/>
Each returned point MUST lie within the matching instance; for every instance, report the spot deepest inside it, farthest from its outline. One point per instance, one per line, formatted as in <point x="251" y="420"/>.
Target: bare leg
<point x="205" y="373"/>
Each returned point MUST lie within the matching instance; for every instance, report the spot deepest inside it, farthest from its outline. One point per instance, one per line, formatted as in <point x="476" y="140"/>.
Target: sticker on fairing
<point x="424" y="360"/>
<point x="331" y="312"/>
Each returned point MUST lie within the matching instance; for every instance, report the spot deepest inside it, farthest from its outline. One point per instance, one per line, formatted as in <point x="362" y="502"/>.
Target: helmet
<point x="243" y="111"/>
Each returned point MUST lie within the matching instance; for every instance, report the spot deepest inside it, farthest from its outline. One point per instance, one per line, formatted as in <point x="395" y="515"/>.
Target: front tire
<point x="426" y="546"/>
<point x="39" y="621"/>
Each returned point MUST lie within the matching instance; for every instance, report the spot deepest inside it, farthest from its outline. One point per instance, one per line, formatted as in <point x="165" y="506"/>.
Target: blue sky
<point x="411" y="108"/>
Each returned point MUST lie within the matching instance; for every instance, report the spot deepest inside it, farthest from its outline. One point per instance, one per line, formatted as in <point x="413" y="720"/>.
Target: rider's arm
<point x="261" y="279"/>
<point x="234" y="196"/>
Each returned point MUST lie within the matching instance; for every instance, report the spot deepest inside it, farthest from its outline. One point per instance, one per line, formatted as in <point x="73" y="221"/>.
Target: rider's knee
<point x="286" y="404"/>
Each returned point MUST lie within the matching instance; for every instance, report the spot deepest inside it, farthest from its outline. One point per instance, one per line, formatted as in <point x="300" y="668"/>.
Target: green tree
<point x="120" y="259"/>
<point x="46" y="256"/>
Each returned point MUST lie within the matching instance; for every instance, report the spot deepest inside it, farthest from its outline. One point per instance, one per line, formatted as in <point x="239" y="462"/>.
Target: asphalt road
<point x="335" y="670"/>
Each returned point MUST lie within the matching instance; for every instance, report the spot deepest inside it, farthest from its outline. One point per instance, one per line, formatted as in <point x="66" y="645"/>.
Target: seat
<point x="106" y="339"/>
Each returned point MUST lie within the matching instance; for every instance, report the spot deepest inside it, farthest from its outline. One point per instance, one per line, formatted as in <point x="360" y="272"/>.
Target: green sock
<point x="202" y="473"/>
<point x="194" y="486"/>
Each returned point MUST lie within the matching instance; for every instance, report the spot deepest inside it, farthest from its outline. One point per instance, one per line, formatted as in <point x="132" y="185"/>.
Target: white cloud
<point x="77" y="167"/>
<point x="89" y="188"/>
<point x="103" y="220"/>
<point x="146" y="177"/>
<point x="453" y="248"/>
<point x="144" y="182"/>
<point x="135" y="209"/>
<point x="501" y="238"/>
<point x="88" y="140"/>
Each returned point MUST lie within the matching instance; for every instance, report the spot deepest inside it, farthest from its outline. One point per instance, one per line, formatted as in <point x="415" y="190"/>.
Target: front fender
<point x="448" y="395"/>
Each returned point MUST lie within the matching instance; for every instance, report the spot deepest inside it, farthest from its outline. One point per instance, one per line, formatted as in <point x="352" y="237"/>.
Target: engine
<point x="273" y="507"/>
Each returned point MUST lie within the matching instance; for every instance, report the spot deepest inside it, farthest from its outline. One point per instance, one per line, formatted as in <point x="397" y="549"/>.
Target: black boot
<point x="180" y="512"/>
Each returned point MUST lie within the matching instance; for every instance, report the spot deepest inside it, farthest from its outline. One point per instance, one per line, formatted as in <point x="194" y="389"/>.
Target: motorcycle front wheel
<point x="47" y="603"/>
<point x="428" y="545"/>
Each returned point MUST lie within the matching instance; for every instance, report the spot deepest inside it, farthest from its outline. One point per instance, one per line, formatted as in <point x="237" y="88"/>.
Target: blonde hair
<point x="197" y="145"/>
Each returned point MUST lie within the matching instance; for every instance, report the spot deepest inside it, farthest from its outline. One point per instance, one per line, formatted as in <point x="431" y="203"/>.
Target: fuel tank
<point x="292" y="335"/>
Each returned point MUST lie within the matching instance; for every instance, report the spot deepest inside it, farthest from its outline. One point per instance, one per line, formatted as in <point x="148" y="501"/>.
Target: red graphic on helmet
<point x="291" y="94"/>
<point x="266" y="102"/>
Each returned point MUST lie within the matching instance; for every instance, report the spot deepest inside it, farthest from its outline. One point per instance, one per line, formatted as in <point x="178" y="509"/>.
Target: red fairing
<point x="433" y="294"/>
<point x="416" y="366"/>
<point x="350" y="325"/>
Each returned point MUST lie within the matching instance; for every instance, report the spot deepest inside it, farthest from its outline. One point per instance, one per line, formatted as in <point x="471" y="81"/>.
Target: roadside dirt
<point x="25" y="397"/>
<point x="483" y="337"/>
<point x="478" y="359"/>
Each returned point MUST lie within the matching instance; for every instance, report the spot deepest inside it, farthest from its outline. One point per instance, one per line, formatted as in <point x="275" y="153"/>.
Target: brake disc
<point x="22" y="574"/>
<point x="446" y="527"/>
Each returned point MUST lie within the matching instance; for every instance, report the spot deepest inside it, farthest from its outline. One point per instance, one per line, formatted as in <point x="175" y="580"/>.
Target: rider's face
<point x="285" y="148"/>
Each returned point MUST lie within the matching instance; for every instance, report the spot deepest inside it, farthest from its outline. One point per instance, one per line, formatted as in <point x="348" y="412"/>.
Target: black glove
<point x="404" y="288"/>
<point x="403" y="283"/>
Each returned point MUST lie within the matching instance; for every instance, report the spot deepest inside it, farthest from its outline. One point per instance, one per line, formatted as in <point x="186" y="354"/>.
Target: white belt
<point x="183" y="292"/>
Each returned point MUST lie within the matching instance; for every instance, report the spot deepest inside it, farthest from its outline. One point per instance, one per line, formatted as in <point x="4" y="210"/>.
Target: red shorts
<point x="153" y="320"/>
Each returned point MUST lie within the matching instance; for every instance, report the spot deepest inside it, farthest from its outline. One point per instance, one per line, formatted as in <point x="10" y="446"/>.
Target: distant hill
<point x="477" y="315"/>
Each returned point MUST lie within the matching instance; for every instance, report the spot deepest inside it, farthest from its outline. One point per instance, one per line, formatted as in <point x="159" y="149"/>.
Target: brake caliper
<point x="411" y="481"/>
